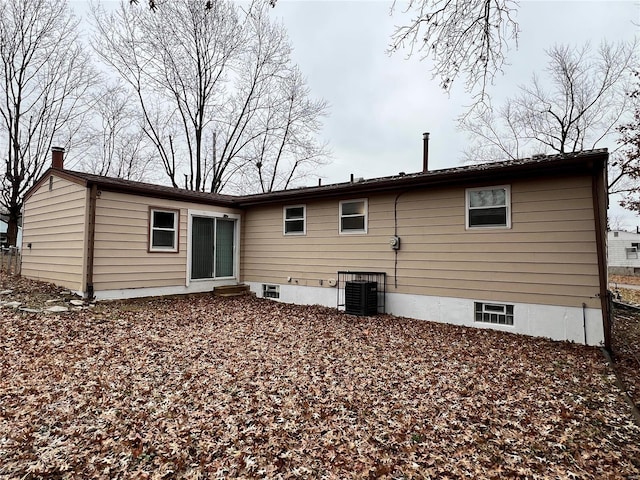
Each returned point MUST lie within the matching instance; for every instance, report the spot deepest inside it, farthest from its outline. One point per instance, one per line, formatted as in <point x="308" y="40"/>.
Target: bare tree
<point x="45" y="72"/>
<point x="576" y="107"/>
<point x="115" y="140"/>
<point x="617" y="222"/>
<point x="461" y="37"/>
<point x="624" y="176"/>
<point x="212" y="85"/>
<point x="285" y="150"/>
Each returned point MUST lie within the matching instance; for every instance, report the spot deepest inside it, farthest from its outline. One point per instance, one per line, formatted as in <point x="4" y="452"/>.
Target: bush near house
<point x="204" y="387"/>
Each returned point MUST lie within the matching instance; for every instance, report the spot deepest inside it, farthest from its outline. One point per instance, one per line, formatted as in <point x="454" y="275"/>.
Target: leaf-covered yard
<point x="203" y="387"/>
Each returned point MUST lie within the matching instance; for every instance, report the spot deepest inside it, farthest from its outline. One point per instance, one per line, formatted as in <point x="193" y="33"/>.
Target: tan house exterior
<point x="91" y="234"/>
<point x="517" y="246"/>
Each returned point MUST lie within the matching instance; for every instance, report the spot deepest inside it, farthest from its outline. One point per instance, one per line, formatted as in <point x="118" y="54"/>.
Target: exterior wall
<point x="123" y="266"/>
<point x="547" y="257"/>
<point x="617" y="242"/>
<point x="54" y="224"/>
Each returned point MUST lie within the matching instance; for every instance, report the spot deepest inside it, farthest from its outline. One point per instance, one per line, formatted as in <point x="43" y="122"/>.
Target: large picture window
<point x="163" y="230"/>
<point x="353" y="216"/>
<point x="488" y="207"/>
<point x="295" y="220"/>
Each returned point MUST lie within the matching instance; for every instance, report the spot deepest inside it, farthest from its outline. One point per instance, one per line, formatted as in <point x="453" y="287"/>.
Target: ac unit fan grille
<point x="361" y="297"/>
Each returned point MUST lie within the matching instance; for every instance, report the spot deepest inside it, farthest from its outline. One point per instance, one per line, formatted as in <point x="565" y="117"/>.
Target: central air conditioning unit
<point x="361" y="297"/>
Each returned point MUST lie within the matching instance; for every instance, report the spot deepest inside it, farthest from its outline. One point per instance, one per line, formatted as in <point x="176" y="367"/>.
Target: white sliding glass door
<point x="212" y="247"/>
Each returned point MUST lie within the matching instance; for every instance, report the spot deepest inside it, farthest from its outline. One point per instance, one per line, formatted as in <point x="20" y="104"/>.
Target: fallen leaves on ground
<point x="30" y="293"/>
<point x="626" y="349"/>
<point x="204" y="387"/>
<point x="627" y="295"/>
<point x="624" y="279"/>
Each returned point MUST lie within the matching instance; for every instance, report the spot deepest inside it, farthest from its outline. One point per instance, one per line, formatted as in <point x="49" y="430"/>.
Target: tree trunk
<point x="12" y="227"/>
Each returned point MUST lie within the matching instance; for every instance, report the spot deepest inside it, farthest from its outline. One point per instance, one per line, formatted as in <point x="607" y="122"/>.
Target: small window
<point x="163" y="230"/>
<point x="353" y="216"/>
<point x="498" y="314"/>
<point x="295" y="222"/>
<point x="270" y="291"/>
<point x="615" y="234"/>
<point x="632" y="253"/>
<point x="488" y="207"/>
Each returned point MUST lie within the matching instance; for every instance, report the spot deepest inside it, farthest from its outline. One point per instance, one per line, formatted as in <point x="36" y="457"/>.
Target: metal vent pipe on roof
<point x="425" y="151"/>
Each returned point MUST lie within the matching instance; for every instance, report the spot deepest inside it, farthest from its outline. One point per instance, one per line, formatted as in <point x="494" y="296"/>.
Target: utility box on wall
<point x="361" y="297"/>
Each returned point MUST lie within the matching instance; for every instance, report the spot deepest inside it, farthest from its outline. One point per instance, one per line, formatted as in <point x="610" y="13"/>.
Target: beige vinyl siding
<point x="54" y="225"/>
<point x="121" y="258"/>
<point x="547" y="257"/>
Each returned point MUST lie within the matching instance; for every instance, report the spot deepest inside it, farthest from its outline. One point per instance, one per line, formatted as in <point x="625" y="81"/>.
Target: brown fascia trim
<point x="137" y="188"/>
<point x="178" y="195"/>
<point x="580" y="163"/>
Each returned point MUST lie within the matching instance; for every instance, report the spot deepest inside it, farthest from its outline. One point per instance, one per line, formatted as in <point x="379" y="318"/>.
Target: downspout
<point x="584" y="321"/>
<point x="596" y="186"/>
<point x="91" y="226"/>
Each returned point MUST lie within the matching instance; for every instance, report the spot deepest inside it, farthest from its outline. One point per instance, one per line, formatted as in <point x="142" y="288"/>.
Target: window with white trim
<point x="295" y="220"/>
<point x="488" y="207"/>
<point x="632" y="253"/>
<point x="353" y="216"/>
<point x="499" y="314"/>
<point x="163" y="230"/>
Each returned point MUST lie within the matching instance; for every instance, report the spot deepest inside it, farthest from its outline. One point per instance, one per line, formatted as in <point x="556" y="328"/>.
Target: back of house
<point x="517" y="246"/>
<point x="514" y="246"/>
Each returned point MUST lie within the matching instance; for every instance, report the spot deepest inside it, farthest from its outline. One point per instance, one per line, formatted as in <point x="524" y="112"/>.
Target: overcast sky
<point x="381" y="104"/>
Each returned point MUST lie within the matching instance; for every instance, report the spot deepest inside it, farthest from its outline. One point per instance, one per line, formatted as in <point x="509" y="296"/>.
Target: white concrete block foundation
<point x="555" y="322"/>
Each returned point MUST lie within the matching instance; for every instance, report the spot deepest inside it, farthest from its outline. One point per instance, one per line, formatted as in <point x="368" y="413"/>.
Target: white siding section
<point x="617" y="243"/>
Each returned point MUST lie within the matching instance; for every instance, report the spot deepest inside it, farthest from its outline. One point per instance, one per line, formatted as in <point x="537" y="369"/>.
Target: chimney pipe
<point x="425" y="152"/>
<point x="57" y="158"/>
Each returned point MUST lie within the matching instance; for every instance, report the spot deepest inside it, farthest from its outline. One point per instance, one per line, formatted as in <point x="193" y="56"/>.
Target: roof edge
<point x="457" y="175"/>
<point x="584" y="161"/>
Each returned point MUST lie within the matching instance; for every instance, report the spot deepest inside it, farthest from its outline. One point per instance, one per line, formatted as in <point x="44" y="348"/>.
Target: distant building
<point x="623" y="249"/>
